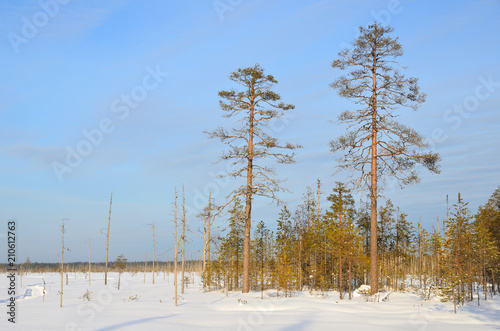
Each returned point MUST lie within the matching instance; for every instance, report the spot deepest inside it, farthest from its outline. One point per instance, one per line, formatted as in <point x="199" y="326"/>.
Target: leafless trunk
<point x="484" y="277"/>
<point x="89" y="263"/>
<point x="420" y="252"/>
<point x="209" y="238"/>
<point x="145" y="266"/>
<point x="454" y="299"/>
<point x="319" y="192"/>
<point x="237" y="269"/>
<point x="62" y="264"/>
<point x="176" y="249"/>
<point x="107" y="241"/>
<point x="350" y="279"/>
<point x="300" y="263"/>
<point x="340" y="253"/>
<point x="183" y="239"/>
<point x="154" y="244"/>
<point x="205" y="244"/>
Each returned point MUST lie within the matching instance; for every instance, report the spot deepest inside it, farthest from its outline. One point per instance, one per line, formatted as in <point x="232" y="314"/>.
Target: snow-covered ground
<point x="144" y="306"/>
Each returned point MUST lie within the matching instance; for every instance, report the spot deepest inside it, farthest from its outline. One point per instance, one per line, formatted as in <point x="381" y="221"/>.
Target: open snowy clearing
<point x="144" y="306"/>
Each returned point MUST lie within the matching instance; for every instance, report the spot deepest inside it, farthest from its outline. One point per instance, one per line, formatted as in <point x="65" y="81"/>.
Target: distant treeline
<point x="191" y="266"/>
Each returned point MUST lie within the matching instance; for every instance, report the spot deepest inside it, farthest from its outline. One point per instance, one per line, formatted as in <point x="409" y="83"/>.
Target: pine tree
<point x="284" y="250"/>
<point x="486" y="247"/>
<point x="232" y="245"/>
<point x="342" y="210"/>
<point x="385" y="236"/>
<point x="119" y="264"/>
<point x="403" y="239"/>
<point x="374" y="140"/>
<point x="255" y="106"/>
<point x="261" y="245"/>
<point x="459" y="250"/>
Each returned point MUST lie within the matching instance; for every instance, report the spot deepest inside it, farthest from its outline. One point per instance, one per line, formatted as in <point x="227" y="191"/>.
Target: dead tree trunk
<point x="107" y="241"/>
<point x="154" y="253"/>
<point x="183" y="239"/>
<point x="176" y="249"/>
<point x="62" y="262"/>
<point x="89" y="262"/>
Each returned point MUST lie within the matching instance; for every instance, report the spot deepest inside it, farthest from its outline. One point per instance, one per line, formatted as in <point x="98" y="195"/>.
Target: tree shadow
<point x="130" y="323"/>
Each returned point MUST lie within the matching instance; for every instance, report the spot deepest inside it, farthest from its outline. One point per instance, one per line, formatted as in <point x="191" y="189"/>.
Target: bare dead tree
<point x="63" y="231"/>
<point x="107" y="240"/>
<point x="154" y="246"/>
<point x="145" y="266"/>
<point x="176" y="248"/>
<point x="183" y="239"/>
<point x="89" y="263"/>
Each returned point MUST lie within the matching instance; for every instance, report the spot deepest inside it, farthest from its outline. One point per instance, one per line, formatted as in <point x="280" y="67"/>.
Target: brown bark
<point x="350" y="279"/>
<point x="373" y="214"/>
<point x="341" y="243"/>
<point x="248" y="207"/>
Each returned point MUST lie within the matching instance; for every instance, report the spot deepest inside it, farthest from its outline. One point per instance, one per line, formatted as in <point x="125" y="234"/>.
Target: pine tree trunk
<point x="248" y="207"/>
<point x="373" y="174"/>
<point x="237" y="269"/>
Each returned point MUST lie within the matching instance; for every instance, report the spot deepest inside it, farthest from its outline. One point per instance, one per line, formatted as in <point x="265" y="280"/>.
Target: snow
<point x="144" y="306"/>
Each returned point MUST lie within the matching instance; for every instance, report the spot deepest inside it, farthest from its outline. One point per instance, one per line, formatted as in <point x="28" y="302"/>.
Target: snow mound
<point x="363" y="290"/>
<point x="33" y="291"/>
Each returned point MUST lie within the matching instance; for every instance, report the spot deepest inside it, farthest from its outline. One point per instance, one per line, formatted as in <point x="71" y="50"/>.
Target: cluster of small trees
<point x="330" y="250"/>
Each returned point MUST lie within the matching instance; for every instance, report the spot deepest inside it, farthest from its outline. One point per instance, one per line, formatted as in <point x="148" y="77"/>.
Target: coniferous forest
<point x="324" y="248"/>
<point x="345" y="244"/>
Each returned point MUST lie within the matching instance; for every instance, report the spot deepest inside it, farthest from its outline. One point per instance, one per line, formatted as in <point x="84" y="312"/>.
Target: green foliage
<point x="327" y="252"/>
<point x="119" y="263"/>
<point x="231" y="250"/>
<point x="375" y="83"/>
<point x="254" y="106"/>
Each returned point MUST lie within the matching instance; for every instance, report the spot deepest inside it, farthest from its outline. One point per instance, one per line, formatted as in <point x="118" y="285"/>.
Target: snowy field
<point x="144" y="306"/>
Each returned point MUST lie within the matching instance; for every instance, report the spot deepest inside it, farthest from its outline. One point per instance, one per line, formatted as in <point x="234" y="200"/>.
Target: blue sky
<point x="68" y="67"/>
